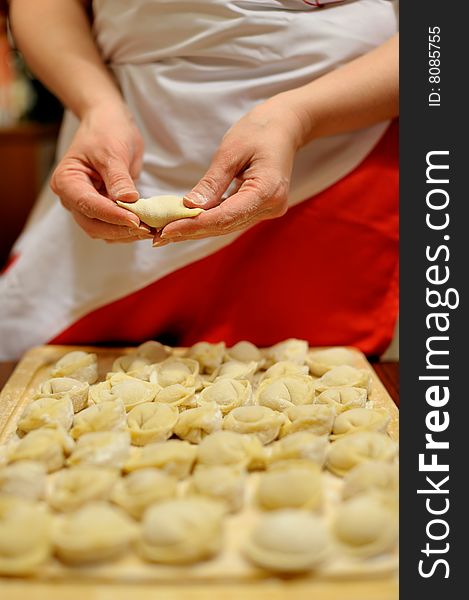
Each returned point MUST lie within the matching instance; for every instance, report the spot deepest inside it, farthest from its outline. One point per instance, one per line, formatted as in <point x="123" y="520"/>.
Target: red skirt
<point x="326" y="272"/>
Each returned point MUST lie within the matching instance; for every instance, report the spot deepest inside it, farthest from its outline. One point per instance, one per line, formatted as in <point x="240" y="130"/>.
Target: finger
<point x="116" y="176"/>
<point x="77" y="193"/>
<point x="210" y="189"/>
<point x="129" y="240"/>
<point x="105" y="231"/>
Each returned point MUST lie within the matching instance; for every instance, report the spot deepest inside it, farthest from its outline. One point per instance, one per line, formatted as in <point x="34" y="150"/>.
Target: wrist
<point x="300" y="113"/>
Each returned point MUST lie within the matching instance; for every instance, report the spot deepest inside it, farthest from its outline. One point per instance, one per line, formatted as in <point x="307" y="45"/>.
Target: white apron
<point x="188" y="71"/>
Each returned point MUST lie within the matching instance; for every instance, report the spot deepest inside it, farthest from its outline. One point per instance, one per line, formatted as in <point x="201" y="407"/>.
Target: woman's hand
<point x="256" y="158"/>
<point x="98" y="168"/>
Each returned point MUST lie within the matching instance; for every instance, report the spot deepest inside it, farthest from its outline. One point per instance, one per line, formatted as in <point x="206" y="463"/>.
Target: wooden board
<point x="17" y="393"/>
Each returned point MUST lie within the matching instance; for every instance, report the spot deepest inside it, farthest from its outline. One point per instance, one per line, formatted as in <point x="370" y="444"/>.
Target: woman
<point x="289" y="103"/>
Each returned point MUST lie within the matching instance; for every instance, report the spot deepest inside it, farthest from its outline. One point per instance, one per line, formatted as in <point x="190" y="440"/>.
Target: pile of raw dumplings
<point x="159" y="455"/>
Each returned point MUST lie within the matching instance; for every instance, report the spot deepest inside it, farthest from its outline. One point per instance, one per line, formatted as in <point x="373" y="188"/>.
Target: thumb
<point x="118" y="182"/>
<point x="210" y="189"/>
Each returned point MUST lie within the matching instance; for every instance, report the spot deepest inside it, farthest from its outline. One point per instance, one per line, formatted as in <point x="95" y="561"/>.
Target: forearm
<point x="56" y="40"/>
<point x="356" y="95"/>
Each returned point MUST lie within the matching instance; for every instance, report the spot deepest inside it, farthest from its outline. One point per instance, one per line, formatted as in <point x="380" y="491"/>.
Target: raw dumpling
<point x="101" y="449"/>
<point x="143" y="488"/>
<point x="227" y="394"/>
<point x="194" y="424"/>
<point x="77" y="365"/>
<point x="245" y="352"/>
<point x="132" y="364"/>
<point x="297" y="487"/>
<point x="24" y="536"/>
<point x="72" y="488"/>
<point x="344" y="376"/>
<point x="173" y="456"/>
<point x="223" y="483"/>
<point x="289" y="541"/>
<point x="24" y="479"/>
<point x="59" y="387"/>
<point x="284" y="368"/>
<point x="285" y="392"/>
<point x="209" y="356"/>
<point x="321" y="361"/>
<point x="234" y="369"/>
<point x="176" y="395"/>
<point x="291" y="350"/>
<point x="230" y="448"/>
<point x="300" y="445"/>
<point x="158" y="211"/>
<point x="153" y="351"/>
<point x="365" y="526"/>
<point x="47" y="412"/>
<point x="258" y="420"/>
<point x="360" y="419"/>
<point x="151" y="422"/>
<point x="343" y="398"/>
<point x="96" y="532"/>
<point x="369" y="477"/>
<point x="315" y="418"/>
<point x="106" y="416"/>
<point x="130" y="390"/>
<point x="355" y="448"/>
<point x="47" y="446"/>
<point x="182" y="531"/>
<point x="182" y="371"/>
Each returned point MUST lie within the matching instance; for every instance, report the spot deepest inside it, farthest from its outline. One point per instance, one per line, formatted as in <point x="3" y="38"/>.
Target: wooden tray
<point x="379" y="584"/>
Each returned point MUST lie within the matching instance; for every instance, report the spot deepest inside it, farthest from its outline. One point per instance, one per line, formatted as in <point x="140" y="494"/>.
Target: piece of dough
<point x="344" y="376"/>
<point x="172" y="371"/>
<point x="143" y="488"/>
<point x="209" y="356"/>
<point x="158" y="211"/>
<point x="370" y="477"/>
<point x="101" y="449"/>
<point x="355" y="448"/>
<point x="316" y="418"/>
<point x="291" y="350"/>
<point x="230" y="448"/>
<point x="220" y="482"/>
<point x="130" y="390"/>
<point x="297" y="487"/>
<point x="343" y="398"/>
<point x="194" y="424"/>
<point x="321" y="361"/>
<point x="47" y="446"/>
<point x="59" y="387"/>
<point x="24" y="536"/>
<point x="300" y="445"/>
<point x="288" y="541"/>
<point x="360" y="419"/>
<point x="245" y="352"/>
<point x="24" y="479"/>
<point x="173" y="456"/>
<point x="106" y="416"/>
<point x="258" y="420"/>
<point x="72" y="488"/>
<point x="47" y="412"/>
<point x="182" y="531"/>
<point x="285" y="392"/>
<point x="77" y="365"/>
<point x="151" y="422"/>
<point x="97" y="531"/>
<point x="227" y="394"/>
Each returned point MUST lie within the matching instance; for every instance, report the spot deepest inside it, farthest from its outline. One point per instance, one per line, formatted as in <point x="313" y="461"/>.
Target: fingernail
<point x="196" y="198"/>
<point x="128" y="195"/>
<point x="144" y="228"/>
<point x="159" y="243"/>
<point x="170" y="236"/>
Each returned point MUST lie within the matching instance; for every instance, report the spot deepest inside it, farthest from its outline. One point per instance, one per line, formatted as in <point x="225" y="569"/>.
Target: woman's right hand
<point x="99" y="167"/>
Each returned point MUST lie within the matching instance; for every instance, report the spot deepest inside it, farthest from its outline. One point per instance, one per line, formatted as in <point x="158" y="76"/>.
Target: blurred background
<point x="29" y="123"/>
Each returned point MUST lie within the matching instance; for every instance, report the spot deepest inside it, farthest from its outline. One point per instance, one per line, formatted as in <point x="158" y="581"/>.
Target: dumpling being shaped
<point x="130" y="390"/>
<point x="360" y="419"/>
<point x="288" y="541"/>
<point x="355" y="448"/>
<point x="220" y="482"/>
<point x="284" y="392"/>
<point x="151" y="422"/>
<point x="143" y="488"/>
<point x="182" y="531"/>
<point x="342" y="376"/>
<point x="316" y="418"/>
<point x="227" y="394"/>
<point x="175" y="457"/>
<point x="322" y="360"/>
<point x="25" y="529"/>
<point x="23" y="479"/>
<point x="291" y="350"/>
<point x="95" y="532"/>
<point x="158" y="211"/>
<point x="101" y="449"/>
<point x="173" y="370"/>
<point x="47" y="412"/>
<point x="365" y="526"/>
<point x="209" y="356"/>
<point x="72" y="488"/>
<point x="77" y="365"/>
<point x="373" y="476"/>
<point x="297" y="487"/>
<point x="106" y="416"/>
<point x="58" y="387"/>
<point x="343" y="398"/>
<point x="245" y="352"/>
<point x="47" y="446"/>
<point x="300" y="445"/>
<point x="232" y="449"/>
<point x="257" y="420"/>
<point x="194" y="424"/>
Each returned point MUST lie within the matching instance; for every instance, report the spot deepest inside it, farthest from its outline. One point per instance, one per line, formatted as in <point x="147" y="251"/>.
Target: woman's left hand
<point x="256" y="156"/>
